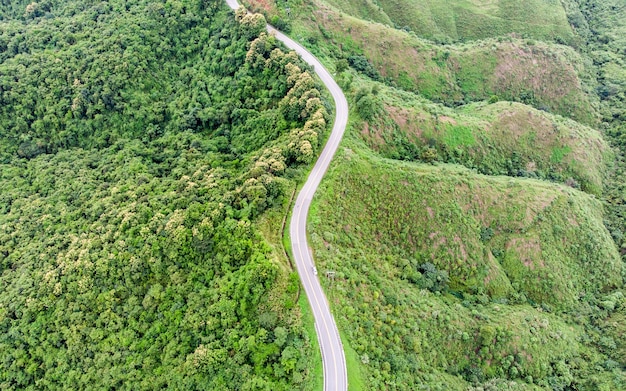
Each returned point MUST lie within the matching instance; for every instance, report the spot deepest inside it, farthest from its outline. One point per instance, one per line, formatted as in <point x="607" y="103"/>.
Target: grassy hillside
<point x="446" y="279"/>
<point x="547" y="76"/>
<point x="501" y="138"/>
<point x="148" y="152"/>
<point x="462" y="20"/>
<point x="547" y="239"/>
<point x="430" y="257"/>
<point x="452" y="21"/>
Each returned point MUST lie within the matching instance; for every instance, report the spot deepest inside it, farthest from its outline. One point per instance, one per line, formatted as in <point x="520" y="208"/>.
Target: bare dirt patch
<point x="406" y="120"/>
<point x="447" y="120"/>
<point x="373" y="136"/>
<point x="263" y="5"/>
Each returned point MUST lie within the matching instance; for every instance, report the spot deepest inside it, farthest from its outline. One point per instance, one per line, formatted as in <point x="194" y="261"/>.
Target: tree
<point x="341" y="66"/>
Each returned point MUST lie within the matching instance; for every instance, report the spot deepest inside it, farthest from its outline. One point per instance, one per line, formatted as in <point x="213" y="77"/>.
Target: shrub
<point x="361" y="64"/>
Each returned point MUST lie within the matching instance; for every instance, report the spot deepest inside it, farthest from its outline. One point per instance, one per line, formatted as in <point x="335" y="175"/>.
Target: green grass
<point x="547" y="76"/>
<point x="503" y="138"/>
<point x="376" y="221"/>
<point x="461" y="20"/>
<point x="455" y="136"/>
<point x="356" y="382"/>
<point x="438" y="212"/>
<point x="558" y="153"/>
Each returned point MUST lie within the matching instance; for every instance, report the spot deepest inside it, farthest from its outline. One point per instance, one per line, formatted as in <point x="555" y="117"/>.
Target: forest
<point x="141" y="145"/>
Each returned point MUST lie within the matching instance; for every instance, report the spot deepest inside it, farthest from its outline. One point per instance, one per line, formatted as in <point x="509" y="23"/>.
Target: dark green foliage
<point x="368" y="105"/>
<point x="140" y="143"/>
<point x="280" y="23"/>
<point x="486" y="233"/>
<point x="432" y="279"/>
<point x="361" y="64"/>
<point x="604" y="26"/>
<point x="341" y="65"/>
<point x="56" y="104"/>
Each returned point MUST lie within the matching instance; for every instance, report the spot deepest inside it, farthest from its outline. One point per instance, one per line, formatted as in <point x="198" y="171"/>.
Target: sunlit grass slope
<point x="500" y="138"/>
<point x="460" y="20"/>
<point x="546" y="76"/>
<point x="446" y="278"/>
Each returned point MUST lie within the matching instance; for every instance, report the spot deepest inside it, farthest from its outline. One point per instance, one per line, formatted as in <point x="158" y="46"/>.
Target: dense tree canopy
<point x="139" y="143"/>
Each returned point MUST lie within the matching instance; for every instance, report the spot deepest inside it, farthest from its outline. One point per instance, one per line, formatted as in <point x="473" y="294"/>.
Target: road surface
<point x="333" y="358"/>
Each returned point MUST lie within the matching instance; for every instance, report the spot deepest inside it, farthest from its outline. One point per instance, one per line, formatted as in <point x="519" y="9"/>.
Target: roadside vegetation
<point x="474" y="218"/>
<point x="148" y="154"/>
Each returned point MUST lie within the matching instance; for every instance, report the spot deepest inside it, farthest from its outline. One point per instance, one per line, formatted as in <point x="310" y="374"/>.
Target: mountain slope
<point x="149" y="151"/>
<point x="462" y="20"/>
<point x="498" y="138"/>
<point x="447" y="279"/>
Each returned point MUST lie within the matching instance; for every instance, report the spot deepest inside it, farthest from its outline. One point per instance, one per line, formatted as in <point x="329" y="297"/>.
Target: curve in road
<point x="333" y="358"/>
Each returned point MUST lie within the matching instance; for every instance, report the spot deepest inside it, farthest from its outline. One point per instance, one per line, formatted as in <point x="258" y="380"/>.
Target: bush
<point x="433" y="279"/>
<point x="361" y="64"/>
<point x="341" y="65"/>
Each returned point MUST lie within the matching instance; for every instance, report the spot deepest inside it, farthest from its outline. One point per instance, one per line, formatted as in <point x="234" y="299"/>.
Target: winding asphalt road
<point x="333" y="358"/>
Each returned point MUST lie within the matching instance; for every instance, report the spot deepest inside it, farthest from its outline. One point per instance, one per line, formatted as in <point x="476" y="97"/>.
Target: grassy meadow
<point x="552" y="77"/>
<point x="462" y="20"/>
